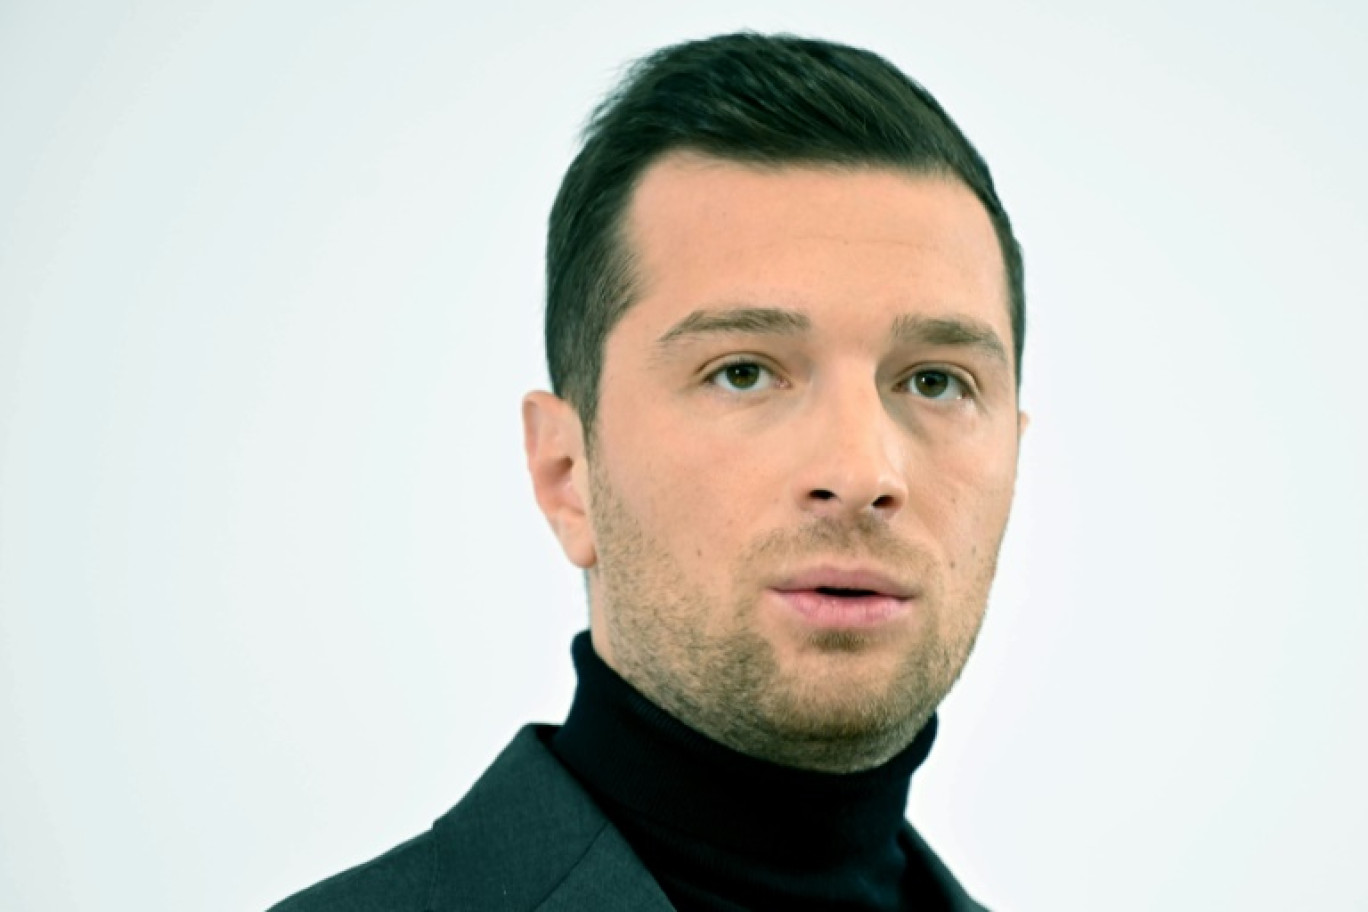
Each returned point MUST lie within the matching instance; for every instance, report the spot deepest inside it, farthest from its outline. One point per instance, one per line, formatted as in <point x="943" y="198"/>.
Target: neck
<point x="838" y="752"/>
<point x="710" y="820"/>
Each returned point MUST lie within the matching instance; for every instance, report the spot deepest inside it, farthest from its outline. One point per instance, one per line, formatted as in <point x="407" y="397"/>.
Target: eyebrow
<point x="736" y="320"/>
<point x="907" y="328"/>
<point x="950" y="331"/>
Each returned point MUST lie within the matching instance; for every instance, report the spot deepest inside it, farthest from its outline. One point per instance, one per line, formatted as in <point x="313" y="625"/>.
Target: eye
<point x="742" y="377"/>
<point x="938" y="385"/>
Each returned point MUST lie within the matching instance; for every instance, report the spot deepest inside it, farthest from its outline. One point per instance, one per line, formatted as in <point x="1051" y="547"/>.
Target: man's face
<point x="804" y="454"/>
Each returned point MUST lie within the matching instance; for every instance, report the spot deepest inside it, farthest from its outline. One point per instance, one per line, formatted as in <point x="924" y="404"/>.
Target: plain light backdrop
<point x="273" y="587"/>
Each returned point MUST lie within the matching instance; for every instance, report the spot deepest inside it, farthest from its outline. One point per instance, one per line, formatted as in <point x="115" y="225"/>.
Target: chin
<point x="839" y="701"/>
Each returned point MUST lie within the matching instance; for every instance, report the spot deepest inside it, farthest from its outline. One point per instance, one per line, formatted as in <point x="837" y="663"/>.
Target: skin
<point x="830" y="441"/>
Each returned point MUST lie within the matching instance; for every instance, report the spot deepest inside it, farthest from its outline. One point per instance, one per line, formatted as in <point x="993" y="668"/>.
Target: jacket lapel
<point x="527" y="837"/>
<point x="609" y="876"/>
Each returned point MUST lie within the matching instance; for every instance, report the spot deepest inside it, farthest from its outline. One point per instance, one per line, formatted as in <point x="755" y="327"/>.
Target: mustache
<point x="864" y="537"/>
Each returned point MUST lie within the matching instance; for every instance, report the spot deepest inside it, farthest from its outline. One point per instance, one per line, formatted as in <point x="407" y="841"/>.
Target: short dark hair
<point x="746" y="97"/>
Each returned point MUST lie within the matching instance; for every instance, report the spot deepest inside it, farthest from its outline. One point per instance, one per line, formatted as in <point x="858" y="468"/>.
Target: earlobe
<point x="1023" y="421"/>
<point x="553" y="440"/>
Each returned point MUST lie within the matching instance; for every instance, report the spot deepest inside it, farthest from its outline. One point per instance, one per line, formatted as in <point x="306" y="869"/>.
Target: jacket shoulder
<point x="397" y="881"/>
<point x="526" y="836"/>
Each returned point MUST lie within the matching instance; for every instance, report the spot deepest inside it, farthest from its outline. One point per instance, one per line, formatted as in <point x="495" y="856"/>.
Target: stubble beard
<point x="726" y="681"/>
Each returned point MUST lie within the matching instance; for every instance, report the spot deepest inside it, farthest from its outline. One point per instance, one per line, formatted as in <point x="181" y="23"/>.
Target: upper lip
<point x="831" y="577"/>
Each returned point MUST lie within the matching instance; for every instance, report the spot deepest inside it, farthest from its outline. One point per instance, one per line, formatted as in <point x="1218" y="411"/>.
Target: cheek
<point x="962" y="500"/>
<point x="691" y="494"/>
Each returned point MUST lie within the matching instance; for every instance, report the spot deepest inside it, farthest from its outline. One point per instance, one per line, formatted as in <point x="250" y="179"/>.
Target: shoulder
<point x="508" y="844"/>
<point x="397" y="881"/>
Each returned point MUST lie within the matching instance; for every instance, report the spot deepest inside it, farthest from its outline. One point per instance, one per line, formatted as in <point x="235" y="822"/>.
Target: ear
<point x="553" y="439"/>
<point x="1023" y="420"/>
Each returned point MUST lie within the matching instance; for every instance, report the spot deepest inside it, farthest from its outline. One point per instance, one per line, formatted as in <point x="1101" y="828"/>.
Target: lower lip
<point x="837" y="612"/>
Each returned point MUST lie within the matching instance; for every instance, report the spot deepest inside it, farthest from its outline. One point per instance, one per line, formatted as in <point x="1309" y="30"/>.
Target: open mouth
<point x="834" y="597"/>
<point x="844" y="607"/>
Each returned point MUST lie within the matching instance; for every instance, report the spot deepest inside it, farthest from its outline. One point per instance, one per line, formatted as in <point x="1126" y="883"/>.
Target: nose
<point x="854" y="459"/>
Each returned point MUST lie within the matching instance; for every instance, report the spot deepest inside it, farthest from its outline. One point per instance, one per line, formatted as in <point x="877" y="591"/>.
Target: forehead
<point x="830" y="241"/>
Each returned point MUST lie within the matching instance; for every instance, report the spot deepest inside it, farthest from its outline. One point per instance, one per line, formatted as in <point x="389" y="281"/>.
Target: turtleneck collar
<point x="723" y="830"/>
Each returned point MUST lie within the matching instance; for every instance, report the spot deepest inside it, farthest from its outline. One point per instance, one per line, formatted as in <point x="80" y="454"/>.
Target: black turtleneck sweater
<point x="720" y="830"/>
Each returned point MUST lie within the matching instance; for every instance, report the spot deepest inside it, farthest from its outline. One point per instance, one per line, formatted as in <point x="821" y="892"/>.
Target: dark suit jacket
<point x="526" y="837"/>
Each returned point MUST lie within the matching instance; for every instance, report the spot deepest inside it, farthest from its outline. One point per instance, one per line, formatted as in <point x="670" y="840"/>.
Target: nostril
<point x="883" y="500"/>
<point x="823" y="495"/>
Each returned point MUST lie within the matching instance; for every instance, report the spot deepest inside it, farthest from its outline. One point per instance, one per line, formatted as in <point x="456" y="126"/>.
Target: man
<point x="784" y="326"/>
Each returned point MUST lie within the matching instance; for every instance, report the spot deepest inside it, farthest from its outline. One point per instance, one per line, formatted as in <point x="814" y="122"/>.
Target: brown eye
<point x="936" y="384"/>
<point x="742" y="376"/>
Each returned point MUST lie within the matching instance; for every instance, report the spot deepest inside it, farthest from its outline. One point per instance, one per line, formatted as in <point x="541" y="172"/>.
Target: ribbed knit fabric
<point x="720" y="830"/>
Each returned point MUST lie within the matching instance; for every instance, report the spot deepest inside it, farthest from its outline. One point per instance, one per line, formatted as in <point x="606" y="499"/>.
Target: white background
<point x="273" y="589"/>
